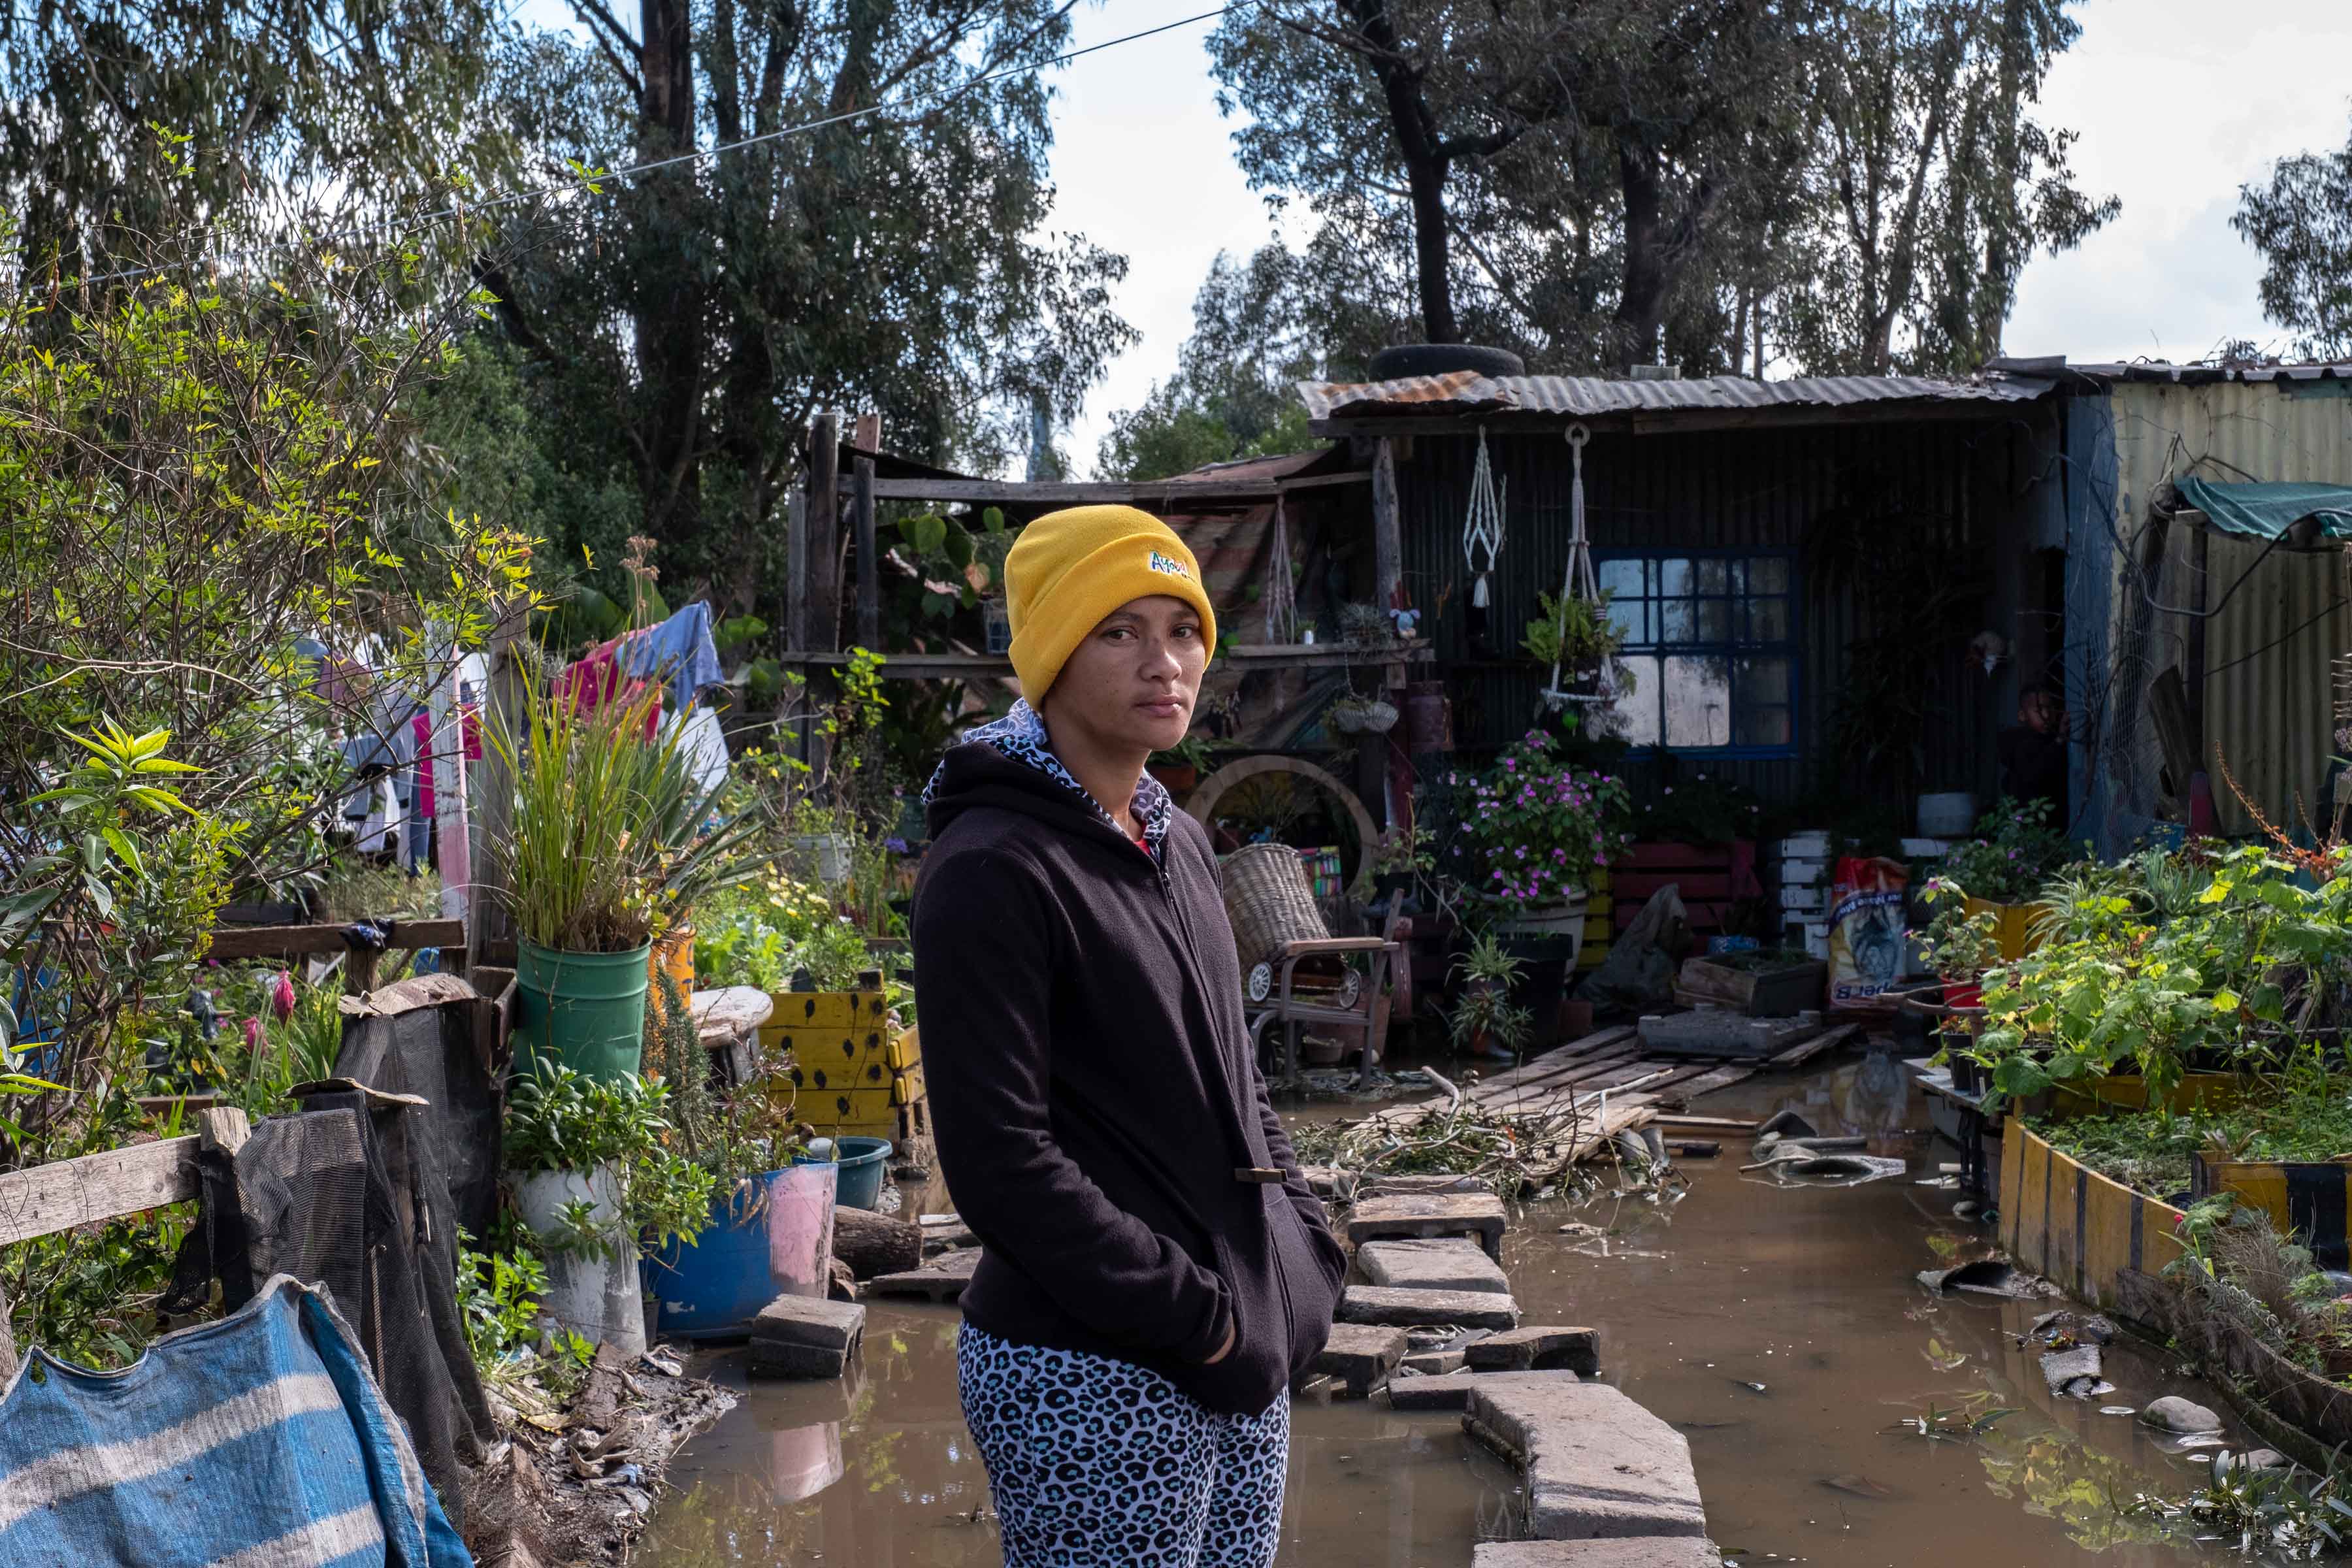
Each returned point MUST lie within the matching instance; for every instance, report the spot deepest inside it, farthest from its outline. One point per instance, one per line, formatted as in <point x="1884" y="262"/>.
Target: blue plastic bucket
<point x="861" y="1162"/>
<point x="771" y="1236"/>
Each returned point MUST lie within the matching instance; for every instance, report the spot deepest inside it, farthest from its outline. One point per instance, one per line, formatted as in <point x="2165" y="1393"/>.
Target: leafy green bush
<point x="560" y="1119"/>
<point x="2015" y="850"/>
<point x="760" y="932"/>
<point x="2249" y="964"/>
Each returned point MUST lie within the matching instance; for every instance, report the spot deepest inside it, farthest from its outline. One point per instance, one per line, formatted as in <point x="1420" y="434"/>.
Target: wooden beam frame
<point x="1056" y="492"/>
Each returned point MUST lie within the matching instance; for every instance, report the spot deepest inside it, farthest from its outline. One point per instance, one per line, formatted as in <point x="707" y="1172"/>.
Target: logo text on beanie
<point x="1170" y="564"/>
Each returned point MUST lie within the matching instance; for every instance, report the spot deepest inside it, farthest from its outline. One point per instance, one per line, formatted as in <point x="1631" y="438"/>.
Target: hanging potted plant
<point x="592" y="1178"/>
<point x="1575" y="635"/>
<point x="582" y="863"/>
<point x="1354" y="715"/>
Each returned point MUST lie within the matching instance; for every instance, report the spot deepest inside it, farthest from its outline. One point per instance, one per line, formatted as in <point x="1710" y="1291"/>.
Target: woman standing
<point x="1155" y="1269"/>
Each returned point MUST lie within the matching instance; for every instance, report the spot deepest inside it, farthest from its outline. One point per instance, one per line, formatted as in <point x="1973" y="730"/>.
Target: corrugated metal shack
<point x="2258" y="667"/>
<point x="1757" y="533"/>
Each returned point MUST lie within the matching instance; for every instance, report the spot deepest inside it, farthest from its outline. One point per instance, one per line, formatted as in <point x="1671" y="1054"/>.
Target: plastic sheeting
<point x="2267" y="511"/>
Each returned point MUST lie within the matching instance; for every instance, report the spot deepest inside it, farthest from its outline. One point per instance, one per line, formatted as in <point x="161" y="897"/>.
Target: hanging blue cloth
<point x="680" y="649"/>
<point x="261" y="1438"/>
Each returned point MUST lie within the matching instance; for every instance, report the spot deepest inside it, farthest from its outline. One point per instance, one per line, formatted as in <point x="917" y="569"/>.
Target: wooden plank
<point x="1708" y="1083"/>
<point x="1161" y="494"/>
<point x="1560" y="1055"/>
<point x="1806" y="1050"/>
<point x="491" y="903"/>
<point x="1388" y="536"/>
<point x="288" y="941"/>
<point x="1685" y="1122"/>
<point x="46" y="1199"/>
<point x="796" y="572"/>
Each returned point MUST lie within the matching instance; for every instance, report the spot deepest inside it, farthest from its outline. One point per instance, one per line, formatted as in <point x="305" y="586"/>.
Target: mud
<point x="1780" y="1327"/>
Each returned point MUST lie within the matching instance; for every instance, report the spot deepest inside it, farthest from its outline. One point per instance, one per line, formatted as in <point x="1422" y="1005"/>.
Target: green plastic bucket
<point x="583" y="1010"/>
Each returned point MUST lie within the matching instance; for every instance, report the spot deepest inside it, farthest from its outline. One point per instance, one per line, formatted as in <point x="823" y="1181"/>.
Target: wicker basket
<point x="1269" y="902"/>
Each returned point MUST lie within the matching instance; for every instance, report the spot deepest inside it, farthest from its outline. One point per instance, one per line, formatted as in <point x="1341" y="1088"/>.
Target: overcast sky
<point x="2177" y="102"/>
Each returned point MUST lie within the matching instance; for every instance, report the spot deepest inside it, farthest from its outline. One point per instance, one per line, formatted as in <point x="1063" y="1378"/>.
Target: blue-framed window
<point x="1711" y="642"/>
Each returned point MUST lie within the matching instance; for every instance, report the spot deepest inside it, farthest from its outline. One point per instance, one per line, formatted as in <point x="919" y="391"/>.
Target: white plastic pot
<point x="1565" y="919"/>
<point x="596" y="1296"/>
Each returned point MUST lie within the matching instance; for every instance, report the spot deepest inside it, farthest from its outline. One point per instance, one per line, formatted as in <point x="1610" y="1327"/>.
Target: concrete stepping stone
<point x="1433" y="1363"/>
<point x="1537" y="1348"/>
<point x="1451" y="1391"/>
<point x="1329" y="1181"/>
<point x="1360" y="1355"/>
<point x="1626" y="1551"/>
<point x="1595" y="1463"/>
<point x="1448" y="1263"/>
<point x="941" y="1279"/>
<point x="806" y="1336"/>
<point x="1413" y="1309"/>
<point x="1430" y="1215"/>
<point x="1392" y="1186"/>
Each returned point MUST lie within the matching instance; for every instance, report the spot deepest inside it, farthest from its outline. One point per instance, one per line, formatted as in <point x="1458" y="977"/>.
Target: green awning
<point x="2266" y="510"/>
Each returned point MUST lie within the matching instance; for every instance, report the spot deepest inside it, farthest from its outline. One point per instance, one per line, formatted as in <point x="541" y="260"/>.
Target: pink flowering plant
<point x="2015" y="850"/>
<point x="1534" y="830"/>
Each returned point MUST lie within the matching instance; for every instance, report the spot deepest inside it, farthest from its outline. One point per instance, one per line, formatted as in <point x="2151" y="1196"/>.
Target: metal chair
<point x="1354" y="1002"/>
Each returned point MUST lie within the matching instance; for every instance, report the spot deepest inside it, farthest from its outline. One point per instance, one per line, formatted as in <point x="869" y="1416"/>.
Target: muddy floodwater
<point x="1780" y="1329"/>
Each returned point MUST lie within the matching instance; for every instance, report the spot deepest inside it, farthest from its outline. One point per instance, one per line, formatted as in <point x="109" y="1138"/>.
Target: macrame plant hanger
<point x="1281" y="594"/>
<point x="1482" y="531"/>
<point x="1577" y="582"/>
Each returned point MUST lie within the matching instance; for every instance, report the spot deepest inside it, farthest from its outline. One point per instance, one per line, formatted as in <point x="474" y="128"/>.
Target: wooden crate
<point x="832" y="1108"/>
<point x="841" y="1011"/>
<point x="904" y="1050"/>
<point x="1712" y="877"/>
<point x="906" y="1088"/>
<point x="838" y="1058"/>
<point x="1768" y="994"/>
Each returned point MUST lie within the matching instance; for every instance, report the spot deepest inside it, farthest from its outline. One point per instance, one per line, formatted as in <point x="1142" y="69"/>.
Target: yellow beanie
<point x="1070" y="568"/>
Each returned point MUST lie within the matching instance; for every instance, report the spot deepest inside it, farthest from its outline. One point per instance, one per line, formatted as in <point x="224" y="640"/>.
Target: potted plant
<point x="768" y="1229"/>
<point x="2014" y="851"/>
<point x="1354" y="715"/>
<point x="583" y="865"/>
<point x="1485" y="1021"/>
<point x="1961" y="941"/>
<point x="1180" y="765"/>
<point x="1574" y="634"/>
<point x="593" y="1177"/>
<point x="1533" y="833"/>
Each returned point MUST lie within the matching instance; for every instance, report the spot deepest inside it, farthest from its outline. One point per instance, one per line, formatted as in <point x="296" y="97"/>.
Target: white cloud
<point x="2178" y="102"/>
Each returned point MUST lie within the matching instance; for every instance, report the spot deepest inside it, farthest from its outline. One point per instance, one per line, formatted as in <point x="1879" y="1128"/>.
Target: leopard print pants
<point x="1095" y="1463"/>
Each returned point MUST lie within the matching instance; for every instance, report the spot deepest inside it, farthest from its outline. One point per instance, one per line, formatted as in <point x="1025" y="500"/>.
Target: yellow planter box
<point x="2013" y="927"/>
<point x="904" y="1051"/>
<point x="829" y="1109"/>
<point x="2074" y="1225"/>
<point x="906" y="1088"/>
<point x="842" y="1010"/>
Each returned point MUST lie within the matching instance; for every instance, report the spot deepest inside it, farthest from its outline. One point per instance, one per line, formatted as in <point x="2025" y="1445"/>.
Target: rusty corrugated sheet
<point x="2269" y="651"/>
<point x="1577" y="396"/>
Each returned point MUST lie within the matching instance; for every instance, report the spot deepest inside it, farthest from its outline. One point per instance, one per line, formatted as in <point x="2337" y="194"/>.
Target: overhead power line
<point x="589" y="181"/>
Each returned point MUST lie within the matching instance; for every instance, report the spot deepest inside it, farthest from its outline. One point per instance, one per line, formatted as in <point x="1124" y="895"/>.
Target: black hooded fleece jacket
<point x="1100" y="1118"/>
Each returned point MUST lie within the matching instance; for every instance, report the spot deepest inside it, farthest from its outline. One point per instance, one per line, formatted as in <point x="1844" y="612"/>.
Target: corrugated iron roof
<point x="1581" y="396"/>
<point x="2159" y="370"/>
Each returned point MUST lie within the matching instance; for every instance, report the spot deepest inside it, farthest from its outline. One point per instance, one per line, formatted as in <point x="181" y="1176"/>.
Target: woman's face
<point x="1132" y="682"/>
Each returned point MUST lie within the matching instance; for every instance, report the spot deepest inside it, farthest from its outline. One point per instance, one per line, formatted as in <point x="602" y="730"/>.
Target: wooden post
<point x="824" y="534"/>
<point x="489" y="924"/>
<point x="2200" y="536"/>
<point x="796" y="570"/>
<point x="869" y="565"/>
<point x="1388" y="534"/>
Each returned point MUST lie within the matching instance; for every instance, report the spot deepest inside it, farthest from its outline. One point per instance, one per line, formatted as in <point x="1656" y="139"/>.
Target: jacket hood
<point x="1010" y="764"/>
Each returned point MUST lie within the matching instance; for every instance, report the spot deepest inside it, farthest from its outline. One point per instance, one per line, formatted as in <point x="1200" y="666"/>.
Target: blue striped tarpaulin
<point x="258" y="1441"/>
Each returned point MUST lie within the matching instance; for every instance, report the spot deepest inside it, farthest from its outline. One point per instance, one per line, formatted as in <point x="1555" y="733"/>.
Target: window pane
<point x="1622" y="578"/>
<point x="1674" y="578"/>
<point x="1713" y="576"/>
<point x="1637" y="711"/>
<point x="1697" y="701"/>
<point x="1768" y="574"/>
<point x="1631" y="617"/>
<point x="1763" y="726"/>
<point x="1676" y="622"/>
<point x="1764" y="681"/>
<point x="1713" y="620"/>
<point x="1768" y="620"/>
